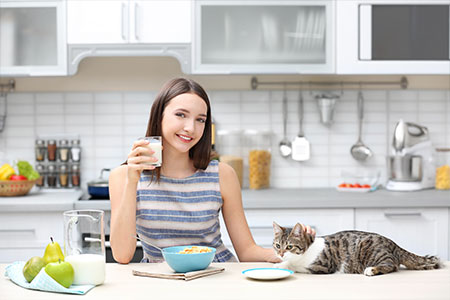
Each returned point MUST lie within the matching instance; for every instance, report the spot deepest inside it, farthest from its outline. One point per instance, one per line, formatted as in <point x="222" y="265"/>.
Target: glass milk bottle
<point x="84" y="245"/>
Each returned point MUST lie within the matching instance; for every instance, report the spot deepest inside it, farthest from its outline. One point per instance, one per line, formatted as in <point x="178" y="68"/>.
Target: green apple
<point x="33" y="267"/>
<point x="61" y="271"/>
<point x="53" y="252"/>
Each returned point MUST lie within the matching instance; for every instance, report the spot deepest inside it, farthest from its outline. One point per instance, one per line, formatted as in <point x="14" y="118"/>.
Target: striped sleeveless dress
<point x="176" y="212"/>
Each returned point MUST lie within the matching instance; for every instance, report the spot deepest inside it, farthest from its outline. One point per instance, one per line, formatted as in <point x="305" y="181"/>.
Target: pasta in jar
<point x="259" y="169"/>
<point x="443" y="169"/>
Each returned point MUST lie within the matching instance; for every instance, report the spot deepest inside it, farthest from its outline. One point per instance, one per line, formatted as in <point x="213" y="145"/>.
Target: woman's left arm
<point x="235" y="221"/>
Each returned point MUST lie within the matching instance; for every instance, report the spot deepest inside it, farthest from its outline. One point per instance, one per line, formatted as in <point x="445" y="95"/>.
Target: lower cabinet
<point x="23" y="235"/>
<point x="423" y="231"/>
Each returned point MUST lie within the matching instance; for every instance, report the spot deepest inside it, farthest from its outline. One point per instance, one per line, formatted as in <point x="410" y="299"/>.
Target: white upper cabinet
<point x="285" y="37"/>
<point x="130" y="21"/>
<point x="393" y="37"/>
<point x="32" y="38"/>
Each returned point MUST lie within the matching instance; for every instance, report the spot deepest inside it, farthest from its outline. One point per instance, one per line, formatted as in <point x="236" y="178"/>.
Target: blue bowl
<point x="183" y="263"/>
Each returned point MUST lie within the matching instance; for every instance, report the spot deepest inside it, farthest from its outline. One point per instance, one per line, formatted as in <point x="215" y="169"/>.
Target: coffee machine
<point x="411" y="164"/>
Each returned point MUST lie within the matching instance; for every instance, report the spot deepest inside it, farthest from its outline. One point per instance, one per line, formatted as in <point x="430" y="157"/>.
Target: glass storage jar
<point x="63" y="176"/>
<point x="229" y="146"/>
<point x="51" y="176"/>
<point x="41" y="170"/>
<point x="63" y="151"/>
<point x="40" y="150"/>
<point x="75" y="175"/>
<point x="442" y="169"/>
<point x="51" y="150"/>
<point x="75" y="151"/>
<point x="258" y="146"/>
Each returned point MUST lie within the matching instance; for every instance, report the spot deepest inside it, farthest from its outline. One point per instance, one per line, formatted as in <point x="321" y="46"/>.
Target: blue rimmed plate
<point x="267" y="273"/>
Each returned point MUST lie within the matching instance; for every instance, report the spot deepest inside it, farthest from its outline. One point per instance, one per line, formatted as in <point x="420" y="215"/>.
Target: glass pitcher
<point x="84" y="245"/>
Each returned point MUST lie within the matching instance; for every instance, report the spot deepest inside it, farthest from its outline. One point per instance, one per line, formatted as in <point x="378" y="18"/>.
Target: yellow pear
<point x="53" y="252"/>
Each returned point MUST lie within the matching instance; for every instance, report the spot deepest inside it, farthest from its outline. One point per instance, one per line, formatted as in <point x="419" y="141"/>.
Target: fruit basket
<point x="10" y="188"/>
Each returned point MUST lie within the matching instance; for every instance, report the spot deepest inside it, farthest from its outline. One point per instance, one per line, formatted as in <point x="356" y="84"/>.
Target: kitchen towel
<point x="162" y="270"/>
<point x="42" y="281"/>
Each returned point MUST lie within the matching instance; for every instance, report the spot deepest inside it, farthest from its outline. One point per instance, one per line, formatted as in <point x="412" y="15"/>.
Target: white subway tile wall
<point x="109" y="122"/>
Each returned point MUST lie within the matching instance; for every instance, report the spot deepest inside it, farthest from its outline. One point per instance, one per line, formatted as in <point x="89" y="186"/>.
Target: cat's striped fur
<point x="345" y="251"/>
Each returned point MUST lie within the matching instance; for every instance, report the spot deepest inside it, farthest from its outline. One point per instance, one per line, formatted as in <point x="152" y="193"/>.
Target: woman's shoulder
<point x="118" y="171"/>
<point x="225" y="170"/>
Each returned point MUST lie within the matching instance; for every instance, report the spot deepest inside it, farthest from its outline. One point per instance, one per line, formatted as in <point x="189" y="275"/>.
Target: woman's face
<point x="183" y="122"/>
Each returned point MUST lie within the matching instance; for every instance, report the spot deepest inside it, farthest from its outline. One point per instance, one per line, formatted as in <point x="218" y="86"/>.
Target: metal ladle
<point x="360" y="151"/>
<point x="285" y="144"/>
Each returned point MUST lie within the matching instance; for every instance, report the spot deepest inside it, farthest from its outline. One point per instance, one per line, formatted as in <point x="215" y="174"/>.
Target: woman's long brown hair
<point x="201" y="152"/>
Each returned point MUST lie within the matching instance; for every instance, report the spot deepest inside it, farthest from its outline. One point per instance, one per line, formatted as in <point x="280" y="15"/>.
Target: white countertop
<point x="37" y="200"/>
<point x="61" y="200"/>
<point x="231" y="284"/>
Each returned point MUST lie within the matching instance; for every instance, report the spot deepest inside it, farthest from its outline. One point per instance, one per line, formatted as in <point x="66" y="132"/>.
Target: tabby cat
<point x="352" y="251"/>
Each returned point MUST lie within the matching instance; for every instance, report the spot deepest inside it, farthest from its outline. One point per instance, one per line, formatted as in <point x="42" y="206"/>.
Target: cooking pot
<point x="99" y="188"/>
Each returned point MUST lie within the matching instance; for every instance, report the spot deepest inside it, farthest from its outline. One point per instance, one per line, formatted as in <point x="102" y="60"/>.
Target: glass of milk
<point x="155" y="143"/>
<point x="84" y="245"/>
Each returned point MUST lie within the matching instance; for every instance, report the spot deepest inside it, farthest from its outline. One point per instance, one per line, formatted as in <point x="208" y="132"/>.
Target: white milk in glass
<point x="88" y="268"/>
<point x="156" y="145"/>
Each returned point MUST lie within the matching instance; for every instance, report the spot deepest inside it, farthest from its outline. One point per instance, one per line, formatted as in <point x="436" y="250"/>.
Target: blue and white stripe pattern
<point x="177" y="212"/>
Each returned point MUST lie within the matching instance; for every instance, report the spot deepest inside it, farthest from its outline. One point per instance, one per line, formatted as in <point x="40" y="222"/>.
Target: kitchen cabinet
<point x="393" y="37"/>
<point x="129" y="21"/>
<point x="33" y="38"/>
<point x="128" y="28"/>
<point x="286" y="37"/>
<point x="25" y="234"/>
<point x="423" y="231"/>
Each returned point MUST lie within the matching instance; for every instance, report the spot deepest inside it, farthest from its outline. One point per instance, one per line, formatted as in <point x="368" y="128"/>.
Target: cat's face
<point x="290" y="241"/>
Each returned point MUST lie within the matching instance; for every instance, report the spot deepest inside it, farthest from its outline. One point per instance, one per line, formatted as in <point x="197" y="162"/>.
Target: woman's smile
<point x="184" y="138"/>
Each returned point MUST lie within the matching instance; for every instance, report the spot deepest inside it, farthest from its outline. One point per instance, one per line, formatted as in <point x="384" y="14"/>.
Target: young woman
<point x="179" y="203"/>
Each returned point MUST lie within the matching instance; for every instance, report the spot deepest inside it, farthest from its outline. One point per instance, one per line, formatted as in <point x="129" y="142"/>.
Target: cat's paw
<point x="370" y="271"/>
<point x="282" y="265"/>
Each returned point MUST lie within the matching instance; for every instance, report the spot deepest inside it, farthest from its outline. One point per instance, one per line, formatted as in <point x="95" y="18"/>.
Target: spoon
<point x="360" y="151"/>
<point x="285" y="144"/>
<point x="147" y="242"/>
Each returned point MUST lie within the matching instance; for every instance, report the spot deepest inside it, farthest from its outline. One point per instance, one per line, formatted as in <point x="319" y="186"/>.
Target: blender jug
<point x="84" y="245"/>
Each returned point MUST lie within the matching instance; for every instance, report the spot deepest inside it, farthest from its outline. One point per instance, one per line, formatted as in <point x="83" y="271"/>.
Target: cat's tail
<point x="416" y="262"/>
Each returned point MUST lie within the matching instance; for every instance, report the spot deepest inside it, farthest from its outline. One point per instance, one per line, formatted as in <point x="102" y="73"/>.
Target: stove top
<point x="87" y="197"/>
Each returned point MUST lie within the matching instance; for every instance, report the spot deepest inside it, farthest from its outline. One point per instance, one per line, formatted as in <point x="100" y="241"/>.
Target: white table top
<point x="231" y="284"/>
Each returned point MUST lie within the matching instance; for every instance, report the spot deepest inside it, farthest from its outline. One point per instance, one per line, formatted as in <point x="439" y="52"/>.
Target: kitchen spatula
<point x="300" y="145"/>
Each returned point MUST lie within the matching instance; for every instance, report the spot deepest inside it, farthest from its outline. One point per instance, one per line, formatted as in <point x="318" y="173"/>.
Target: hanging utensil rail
<point x="403" y="83"/>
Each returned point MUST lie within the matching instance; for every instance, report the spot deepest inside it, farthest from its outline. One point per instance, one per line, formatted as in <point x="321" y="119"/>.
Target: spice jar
<point x="40" y="150"/>
<point x="51" y="150"/>
<point x="259" y="158"/>
<point x="75" y="151"/>
<point x="63" y="176"/>
<point x="230" y="148"/>
<point x="443" y="169"/>
<point x="63" y="150"/>
<point x="51" y="176"/>
<point x="41" y="170"/>
<point x="75" y="175"/>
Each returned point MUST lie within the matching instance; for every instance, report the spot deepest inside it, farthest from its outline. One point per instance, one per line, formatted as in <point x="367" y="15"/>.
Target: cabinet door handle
<point x="124" y="34"/>
<point x="402" y="214"/>
<point x="136" y="21"/>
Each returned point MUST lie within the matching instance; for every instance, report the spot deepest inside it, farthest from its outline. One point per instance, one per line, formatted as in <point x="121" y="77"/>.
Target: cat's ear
<point x="298" y="229"/>
<point x="277" y="229"/>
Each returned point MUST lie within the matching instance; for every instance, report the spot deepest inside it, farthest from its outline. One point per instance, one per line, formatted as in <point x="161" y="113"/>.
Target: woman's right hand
<point x="138" y="159"/>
